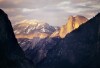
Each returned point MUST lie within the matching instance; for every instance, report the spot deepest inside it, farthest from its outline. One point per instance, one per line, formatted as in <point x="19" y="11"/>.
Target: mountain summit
<point x="73" y="23"/>
<point x="33" y="28"/>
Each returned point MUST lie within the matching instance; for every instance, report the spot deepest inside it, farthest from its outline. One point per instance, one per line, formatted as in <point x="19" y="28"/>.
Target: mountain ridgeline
<point x="79" y="49"/>
<point x="37" y="47"/>
<point x="73" y="23"/>
<point x="11" y="54"/>
<point x="33" y="28"/>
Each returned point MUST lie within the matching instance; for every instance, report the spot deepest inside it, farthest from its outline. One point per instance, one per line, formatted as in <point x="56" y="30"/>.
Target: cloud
<point x="64" y="3"/>
<point x="29" y="10"/>
<point x="55" y="12"/>
<point x="17" y="17"/>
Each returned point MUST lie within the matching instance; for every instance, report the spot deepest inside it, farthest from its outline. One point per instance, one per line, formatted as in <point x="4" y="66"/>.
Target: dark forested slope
<point x="79" y="49"/>
<point x="11" y="55"/>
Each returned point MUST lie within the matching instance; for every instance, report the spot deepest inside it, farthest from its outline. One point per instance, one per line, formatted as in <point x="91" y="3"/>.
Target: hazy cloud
<point x="54" y="12"/>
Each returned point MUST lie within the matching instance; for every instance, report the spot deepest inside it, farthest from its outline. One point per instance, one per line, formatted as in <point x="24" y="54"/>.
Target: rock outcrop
<point x="73" y="23"/>
<point x="11" y="55"/>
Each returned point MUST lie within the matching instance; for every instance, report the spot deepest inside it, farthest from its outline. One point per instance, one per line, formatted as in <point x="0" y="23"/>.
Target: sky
<point x="54" y="12"/>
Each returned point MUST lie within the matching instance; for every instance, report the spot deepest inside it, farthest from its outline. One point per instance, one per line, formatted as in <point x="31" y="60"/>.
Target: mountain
<point x="79" y="49"/>
<point x="73" y="23"/>
<point x="33" y="36"/>
<point x="33" y="28"/>
<point x="11" y="54"/>
<point x="36" y="48"/>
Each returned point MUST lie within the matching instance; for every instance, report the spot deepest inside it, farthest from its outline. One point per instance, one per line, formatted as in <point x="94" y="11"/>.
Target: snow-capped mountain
<point x="33" y="28"/>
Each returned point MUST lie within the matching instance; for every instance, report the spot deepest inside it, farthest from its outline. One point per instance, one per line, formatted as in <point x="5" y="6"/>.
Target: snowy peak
<point x="33" y="28"/>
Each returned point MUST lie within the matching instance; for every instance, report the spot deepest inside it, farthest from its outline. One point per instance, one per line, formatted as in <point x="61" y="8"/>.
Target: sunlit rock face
<point x="33" y="28"/>
<point x="73" y="23"/>
<point x="78" y="21"/>
<point x="78" y="49"/>
<point x="11" y="55"/>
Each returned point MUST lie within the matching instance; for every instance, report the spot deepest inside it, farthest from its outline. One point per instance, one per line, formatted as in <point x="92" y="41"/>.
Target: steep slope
<point x="27" y="44"/>
<point x="79" y="49"/>
<point x="11" y="55"/>
<point x="36" y="49"/>
<point x="73" y="23"/>
<point x="33" y="28"/>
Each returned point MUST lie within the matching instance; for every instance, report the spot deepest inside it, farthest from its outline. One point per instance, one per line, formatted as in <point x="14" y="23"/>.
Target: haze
<point x="54" y="12"/>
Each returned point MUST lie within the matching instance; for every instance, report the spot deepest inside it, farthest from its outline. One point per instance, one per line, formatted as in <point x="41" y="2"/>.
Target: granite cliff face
<point x="11" y="55"/>
<point x="73" y="23"/>
<point x="79" y="49"/>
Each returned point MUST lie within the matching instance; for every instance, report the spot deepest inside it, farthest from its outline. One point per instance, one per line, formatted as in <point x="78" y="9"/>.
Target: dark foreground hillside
<point x="11" y="55"/>
<point x="79" y="49"/>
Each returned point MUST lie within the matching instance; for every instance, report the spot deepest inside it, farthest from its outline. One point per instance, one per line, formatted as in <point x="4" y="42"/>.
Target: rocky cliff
<point x="11" y="55"/>
<point x="73" y="23"/>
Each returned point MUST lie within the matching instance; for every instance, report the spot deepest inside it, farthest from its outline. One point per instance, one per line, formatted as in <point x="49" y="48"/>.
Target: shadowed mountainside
<point x="11" y="55"/>
<point x="79" y="49"/>
<point x="36" y="48"/>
